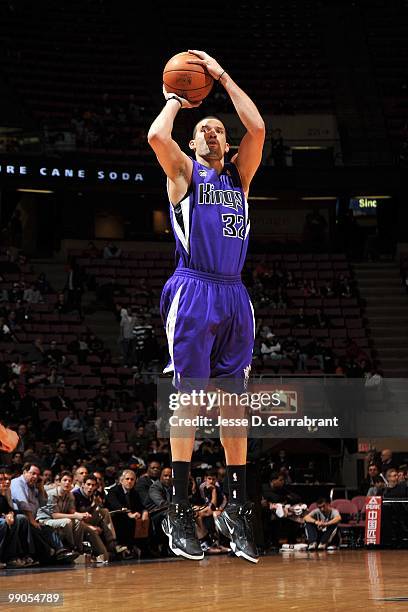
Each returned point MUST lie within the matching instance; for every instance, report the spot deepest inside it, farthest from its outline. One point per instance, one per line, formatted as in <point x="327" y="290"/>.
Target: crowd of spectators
<point x="66" y="440"/>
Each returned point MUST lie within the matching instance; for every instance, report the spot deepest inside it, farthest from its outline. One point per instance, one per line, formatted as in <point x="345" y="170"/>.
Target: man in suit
<point x="145" y="482"/>
<point x="125" y="500"/>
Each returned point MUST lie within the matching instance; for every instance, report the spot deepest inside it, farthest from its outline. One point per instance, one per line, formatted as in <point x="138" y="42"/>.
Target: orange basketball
<point x="189" y="81"/>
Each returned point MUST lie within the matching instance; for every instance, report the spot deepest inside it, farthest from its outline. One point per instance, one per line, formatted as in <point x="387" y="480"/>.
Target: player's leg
<point x="187" y="328"/>
<point x="232" y="360"/>
<point x="235" y="522"/>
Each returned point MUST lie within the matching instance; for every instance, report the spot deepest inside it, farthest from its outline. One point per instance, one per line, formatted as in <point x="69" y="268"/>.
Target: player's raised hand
<point x="211" y="64"/>
<point x="184" y="103"/>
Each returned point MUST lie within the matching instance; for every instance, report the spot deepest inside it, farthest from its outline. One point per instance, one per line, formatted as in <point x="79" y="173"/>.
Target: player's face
<point x="210" y="140"/>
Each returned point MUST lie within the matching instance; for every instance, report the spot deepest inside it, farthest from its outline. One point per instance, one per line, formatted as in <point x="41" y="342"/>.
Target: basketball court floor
<point x="318" y="582"/>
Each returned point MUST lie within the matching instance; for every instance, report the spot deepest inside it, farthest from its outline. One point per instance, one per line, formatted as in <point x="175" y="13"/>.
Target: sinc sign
<point x="367" y="203"/>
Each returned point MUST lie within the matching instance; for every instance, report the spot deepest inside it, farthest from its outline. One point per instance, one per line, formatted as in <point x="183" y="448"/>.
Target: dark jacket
<point x="117" y="499"/>
<point x="159" y="494"/>
<point x="142" y="487"/>
<point x="5" y="507"/>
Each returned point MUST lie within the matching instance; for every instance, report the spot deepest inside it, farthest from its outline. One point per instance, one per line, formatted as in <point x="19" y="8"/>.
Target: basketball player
<point x="208" y="315"/>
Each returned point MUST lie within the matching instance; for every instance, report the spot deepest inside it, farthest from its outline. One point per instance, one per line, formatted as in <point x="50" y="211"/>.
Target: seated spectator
<point x="373" y="482"/>
<point x="124" y="499"/>
<point x="16" y="544"/>
<point x="34" y="378"/>
<point x="275" y="516"/>
<point x="32" y="295"/>
<point x="79" y="347"/>
<point x="139" y="437"/>
<point x="132" y="457"/>
<point x="394" y="523"/>
<point x="55" y="482"/>
<point x="72" y="425"/>
<point x="145" y="482"/>
<point x="61" y="460"/>
<point x="214" y="503"/>
<point x="28" y="495"/>
<point x="43" y="285"/>
<point x="80" y="475"/>
<point x="27" y="438"/>
<point x="403" y="473"/>
<point x="61" y="306"/>
<point x="61" y="402"/>
<point x="54" y="355"/>
<point x="100" y="493"/>
<point x="105" y="456"/>
<point x="47" y="478"/>
<point x="321" y="526"/>
<point x="60" y="514"/>
<point x="211" y="493"/>
<point x="102" y="400"/>
<point x="36" y="353"/>
<point x="160" y="494"/>
<point x="395" y="488"/>
<point x="271" y="348"/>
<point x="291" y="350"/>
<point x="99" y="533"/>
<point x="300" y="321"/>
<point x="98" y="434"/>
<point x="387" y="461"/>
<point x="160" y="491"/>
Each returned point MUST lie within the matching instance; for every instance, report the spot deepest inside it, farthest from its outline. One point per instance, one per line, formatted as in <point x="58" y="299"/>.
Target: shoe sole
<point x="178" y="551"/>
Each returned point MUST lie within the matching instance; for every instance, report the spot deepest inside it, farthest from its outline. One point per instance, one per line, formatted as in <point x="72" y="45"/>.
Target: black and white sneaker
<point x="235" y="523"/>
<point x="179" y="527"/>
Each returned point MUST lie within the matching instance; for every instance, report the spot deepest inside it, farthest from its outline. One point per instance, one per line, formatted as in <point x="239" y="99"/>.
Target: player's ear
<point x="192" y="144"/>
<point x="227" y="147"/>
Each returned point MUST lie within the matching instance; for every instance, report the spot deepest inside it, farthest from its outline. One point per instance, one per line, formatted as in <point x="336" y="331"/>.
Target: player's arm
<point x="249" y="154"/>
<point x="176" y="164"/>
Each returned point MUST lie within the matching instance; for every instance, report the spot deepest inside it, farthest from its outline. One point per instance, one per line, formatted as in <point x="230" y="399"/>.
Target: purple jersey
<point x="211" y="223"/>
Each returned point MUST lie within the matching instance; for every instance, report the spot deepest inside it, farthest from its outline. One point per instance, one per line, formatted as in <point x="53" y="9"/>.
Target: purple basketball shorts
<point x="210" y="326"/>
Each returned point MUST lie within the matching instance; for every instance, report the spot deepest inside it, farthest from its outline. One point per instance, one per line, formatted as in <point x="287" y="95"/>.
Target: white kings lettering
<point x="119" y="176"/>
<point x="64" y="172"/>
<point x="207" y="194"/>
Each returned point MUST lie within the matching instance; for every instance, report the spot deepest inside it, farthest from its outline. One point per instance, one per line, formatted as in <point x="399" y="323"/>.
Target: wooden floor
<point x="318" y="582"/>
